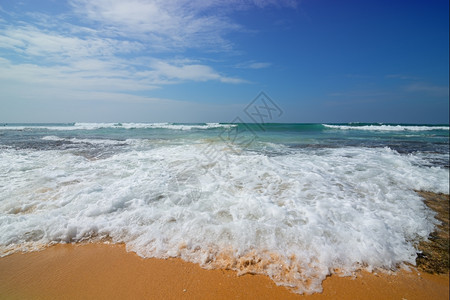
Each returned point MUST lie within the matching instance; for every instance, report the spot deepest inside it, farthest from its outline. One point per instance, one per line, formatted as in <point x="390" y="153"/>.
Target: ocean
<point x="296" y="202"/>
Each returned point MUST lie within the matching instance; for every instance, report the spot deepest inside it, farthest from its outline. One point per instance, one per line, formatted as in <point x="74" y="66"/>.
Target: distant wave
<point x="86" y="141"/>
<point x="90" y="126"/>
<point x="387" y="127"/>
<point x="94" y="126"/>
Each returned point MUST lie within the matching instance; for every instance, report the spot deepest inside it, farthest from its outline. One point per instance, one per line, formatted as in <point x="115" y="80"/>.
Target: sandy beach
<point x="97" y="271"/>
<point x="258" y="149"/>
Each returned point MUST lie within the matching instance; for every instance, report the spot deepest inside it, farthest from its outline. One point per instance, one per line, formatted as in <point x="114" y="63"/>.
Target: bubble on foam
<point x="296" y="216"/>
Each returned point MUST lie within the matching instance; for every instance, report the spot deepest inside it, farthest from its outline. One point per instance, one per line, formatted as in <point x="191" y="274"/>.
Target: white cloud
<point x="56" y="59"/>
<point x="88" y="75"/>
<point x="253" y="65"/>
<point x="113" y="50"/>
<point x="164" y="24"/>
<point x="84" y="58"/>
<point x="116" y="75"/>
<point x="117" y="28"/>
<point x="170" y="24"/>
<point x="193" y="72"/>
<point x="31" y="41"/>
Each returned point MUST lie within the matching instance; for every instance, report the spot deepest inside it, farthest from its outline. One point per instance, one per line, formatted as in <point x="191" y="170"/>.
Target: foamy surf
<point x="295" y="214"/>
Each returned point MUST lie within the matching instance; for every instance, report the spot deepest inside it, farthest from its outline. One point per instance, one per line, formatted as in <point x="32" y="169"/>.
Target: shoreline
<point x="108" y="271"/>
<point x="102" y="271"/>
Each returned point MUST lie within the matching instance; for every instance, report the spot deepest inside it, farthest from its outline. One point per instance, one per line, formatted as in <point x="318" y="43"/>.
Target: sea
<point x="295" y="202"/>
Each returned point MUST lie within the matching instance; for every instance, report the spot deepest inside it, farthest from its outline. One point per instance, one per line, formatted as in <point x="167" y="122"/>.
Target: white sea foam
<point x="94" y="126"/>
<point x="295" y="217"/>
<point x="387" y="127"/>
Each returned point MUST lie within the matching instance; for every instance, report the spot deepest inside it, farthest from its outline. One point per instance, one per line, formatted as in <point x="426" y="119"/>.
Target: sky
<point x="206" y="61"/>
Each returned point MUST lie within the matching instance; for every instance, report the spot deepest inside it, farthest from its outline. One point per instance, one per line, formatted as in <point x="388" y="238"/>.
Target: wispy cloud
<point x="360" y="94"/>
<point x="170" y="24"/>
<point x="432" y="90"/>
<point x="253" y="65"/>
<point x="89" y="75"/>
<point x="98" y="75"/>
<point x="165" y="25"/>
<point x="172" y="72"/>
<point x="31" y="41"/>
<point x="402" y="77"/>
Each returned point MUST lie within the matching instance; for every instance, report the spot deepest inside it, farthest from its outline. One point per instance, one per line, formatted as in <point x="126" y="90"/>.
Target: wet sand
<point x="98" y="271"/>
<point x="435" y="252"/>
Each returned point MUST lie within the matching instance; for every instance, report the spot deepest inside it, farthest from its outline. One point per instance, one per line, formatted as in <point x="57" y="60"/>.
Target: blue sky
<point x="204" y="61"/>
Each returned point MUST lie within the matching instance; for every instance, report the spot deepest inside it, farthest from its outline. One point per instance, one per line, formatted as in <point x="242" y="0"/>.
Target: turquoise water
<point x="404" y="138"/>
